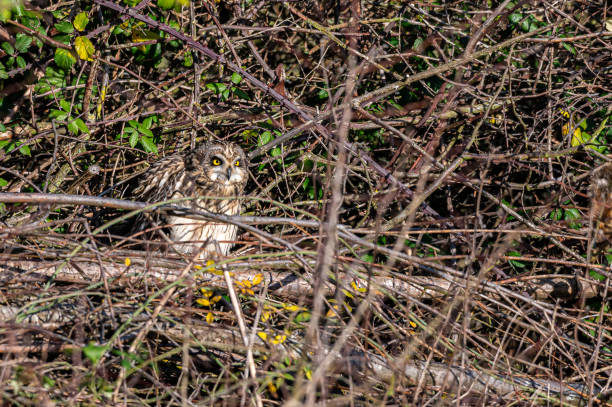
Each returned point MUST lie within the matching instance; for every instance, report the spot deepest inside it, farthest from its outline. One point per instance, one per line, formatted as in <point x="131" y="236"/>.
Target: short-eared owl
<point x="601" y="195"/>
<point x="214" y="174"/>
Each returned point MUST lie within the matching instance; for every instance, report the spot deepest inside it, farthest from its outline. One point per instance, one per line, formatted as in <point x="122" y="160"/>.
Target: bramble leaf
<point x="64" y="58"/>
<point x="84" y="48"/>
<point x="80" y="21"/>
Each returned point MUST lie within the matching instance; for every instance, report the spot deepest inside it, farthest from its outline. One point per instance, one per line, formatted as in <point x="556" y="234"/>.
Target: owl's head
<point x="221" y="163"/>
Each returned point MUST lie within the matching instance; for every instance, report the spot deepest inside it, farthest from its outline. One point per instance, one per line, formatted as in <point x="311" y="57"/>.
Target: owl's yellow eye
<point x="237" y="163"/>
<point x="215" y="161"/>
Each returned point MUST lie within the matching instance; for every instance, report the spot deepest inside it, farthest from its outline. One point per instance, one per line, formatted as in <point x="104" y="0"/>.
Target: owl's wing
<point x="159" y="182"/>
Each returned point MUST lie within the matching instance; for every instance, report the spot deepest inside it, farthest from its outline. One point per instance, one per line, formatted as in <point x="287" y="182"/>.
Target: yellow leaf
<point x="181" y="3"/>
<point x="279" y="339"/>
<point x="140" y="35"/>
<point x="257" y="279"/>
<point x="210" y="318"/>
<point x="565" y="129"/>
<point x="80" y="21"/>
<point x="206" y="292"/>
<point x="291" y="307"/>
<point x="127" y="262"/>
<point x="215" y="299"/>
<point x="263" y="336"/>
<point x="564" y="113"/>
<point x="205" y="302"/>
<point x="84" y="48"/>
<point x="265" y="316"/>
<point x="577" y="139"/>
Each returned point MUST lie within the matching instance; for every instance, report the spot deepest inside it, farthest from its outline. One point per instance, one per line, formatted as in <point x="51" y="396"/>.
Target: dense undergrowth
<point x="417" y="227"/>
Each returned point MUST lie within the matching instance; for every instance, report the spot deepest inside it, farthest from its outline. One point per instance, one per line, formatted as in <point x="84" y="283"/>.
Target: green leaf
<point x="556" y="214"/>
<point x="225" y="94"/>
<point x="572" y="213"/>
<point x="58" y="114"/>
<point x="8" y="48"/>
<point x="134" y="123"/>
<point x="84" y="48"/>
<point x="302" y="317"/>
<point x="65" y="105"/>
<point x="165" y="4"/>
<point x="264" y="138"/>
<point x="64" y="58"/>
<point x="81" y="125"/>
<point x="134" y="137"/>
<point x="21" y="63"/>
<point x="25" y="150"/>
<point x="569" y="47"/>
<point x="64" y="27"/>
<point x="80" y="21"/>
<point x="188" y="60"/>
<point x="148" y="144"/>
<point x="236" y="79"/>
<point x="515" y="18"/>
<point x="54" y="74"/>
<point x="72" y="127"/>
<point x="3" y="182"/>
<point x="216" y="87"/>
<point x="94" y="352"/>
<point x="180" y="4"/>
<point x="368" y="258"/>
<point x="515" y="263"/>
<point x="276" y="151"/>
<point x="5" y="14"/>
<point x="23" y="42"/>
<point x="241" y="94"/>
<point x="595" y="275"/>
<point x="148" y="122"/>
<point x="143" y="130"/>
<point x="63" y="38"/>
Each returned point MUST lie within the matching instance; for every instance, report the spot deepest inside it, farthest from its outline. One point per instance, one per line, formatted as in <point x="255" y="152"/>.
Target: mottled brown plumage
<point x="215" y="175"/>
<point x="601" y="201"/>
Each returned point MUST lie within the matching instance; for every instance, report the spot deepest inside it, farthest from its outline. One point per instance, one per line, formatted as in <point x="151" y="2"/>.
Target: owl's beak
<point x="229" y="173"/>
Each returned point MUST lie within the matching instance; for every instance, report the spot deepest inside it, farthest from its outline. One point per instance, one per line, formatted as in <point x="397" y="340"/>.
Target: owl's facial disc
<point x="225" y="172"/>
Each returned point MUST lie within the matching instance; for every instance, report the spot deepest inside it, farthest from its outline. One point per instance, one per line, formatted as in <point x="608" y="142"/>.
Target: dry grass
<point x="417" y="229"/>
